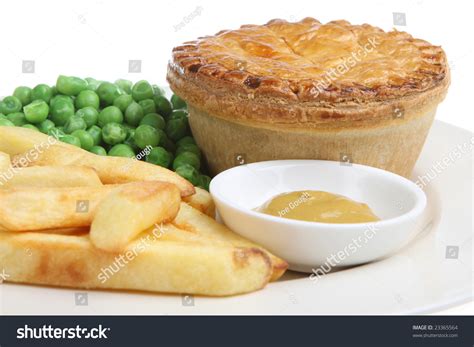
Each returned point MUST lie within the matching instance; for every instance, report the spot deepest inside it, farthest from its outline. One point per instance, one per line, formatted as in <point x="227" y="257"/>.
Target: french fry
<point x="18" y="140"/>
<point x="153" y="265"/>
<point x="49" y="176"/>
<point x="115" y="170"/>
<point x="26" y="209"/>
<point x="28" y="148"/>
<point x="127" y="211"/>
<point x="5" y="163"/>
<point x="202" y="201"/>
<point x="170" y="232"/>
<point x="189" y="218"/>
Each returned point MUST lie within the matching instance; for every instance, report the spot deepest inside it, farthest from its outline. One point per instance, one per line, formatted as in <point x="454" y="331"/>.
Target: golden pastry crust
<point x="308" y="73"/>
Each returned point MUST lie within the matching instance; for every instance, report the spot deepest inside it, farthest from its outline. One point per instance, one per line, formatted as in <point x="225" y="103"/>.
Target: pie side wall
<point x="394" y="148"/>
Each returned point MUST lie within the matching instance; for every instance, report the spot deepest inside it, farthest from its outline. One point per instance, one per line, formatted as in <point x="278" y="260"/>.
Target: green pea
<point x="123" y="101"/>
<point x="99" y="150"/>
<point x="188" y="172"/>
<point x="204" y="182"/>
<point x="122" y="150"/>
<point x="23" y="94"/>
<point x="179" y="114"/>
<point x="54" y="91"/>
<point x="87" y="98"/>
<point x="186" y="158"/>
<point x="189" y="147"/>
<point x="96" y="134"/>
<point x="45" y="126"/>
<point x="130" y="141"/>
<point x="72" y="140"/>
<point x="148" y="106"/>
<point x="108" y="92"/>
<point x="157" y="90"/>
<point x="134" y="114"/>
<point x="176" y="128"/>
<point x="129" y="128"/>
<point x="163" y="105"/>
<point x="186" y="140"/>
<point x="56" y="133"/>
<point x="74" y="123"/>
<point x="110" y="114"/>
<point x="70" y="85"/>
<point x="162" y="137"/>
<point x="89" y="114"/>
<point x="17" y="118"/>
<point x="92" y="83"/>
<point x="125" y="85"/>
<point x="113" y="133"/>
<point x="30" y="126"/>
<point x="166" y="143"/>
<point x="142" y="90"/>
<point x="153" y="119"/>
<point x="145" y="135"/>
<point x="10" y="104"/>
<point x="64" y="98"/>
<point x="6" y="123"/>
<point x="36" y="112"/>
<point x="61" y="110"/>
<point x="177" y="102"/>
<point x="160" y="156"/>
<point x="87" y="142"/>
<point x="42" y="92"/>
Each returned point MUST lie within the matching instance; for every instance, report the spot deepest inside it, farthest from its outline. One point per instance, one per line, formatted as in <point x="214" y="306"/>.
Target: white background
<point x="98" y="38"/>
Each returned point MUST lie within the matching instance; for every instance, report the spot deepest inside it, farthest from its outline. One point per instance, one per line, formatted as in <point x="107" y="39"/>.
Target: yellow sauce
<point x="318" y="206"/>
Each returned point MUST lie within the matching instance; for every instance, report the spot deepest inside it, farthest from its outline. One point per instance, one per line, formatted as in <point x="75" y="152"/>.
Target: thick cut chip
<point x="5" y="163"/>
<point x="126" y="212"/>
<point x="49" y="176"/>
<point x="147" y="265"/>
<point x="189" y="218"/>
<point x="31" y="148"/>
<point x="27" y="209"/>
<point x="202" y="201"/>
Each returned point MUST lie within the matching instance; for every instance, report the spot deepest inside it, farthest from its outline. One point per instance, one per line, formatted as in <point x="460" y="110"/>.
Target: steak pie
<point x="307" y="90"/>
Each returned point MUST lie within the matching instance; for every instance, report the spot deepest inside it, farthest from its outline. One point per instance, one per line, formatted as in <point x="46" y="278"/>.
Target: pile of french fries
<point x="75" y="219"/>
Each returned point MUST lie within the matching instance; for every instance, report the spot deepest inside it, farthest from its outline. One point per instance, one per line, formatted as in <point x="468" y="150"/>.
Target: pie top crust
<point x="322" y="65"/>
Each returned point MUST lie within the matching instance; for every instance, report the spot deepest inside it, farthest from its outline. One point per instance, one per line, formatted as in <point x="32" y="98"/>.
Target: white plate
<point x="419" y="278"/>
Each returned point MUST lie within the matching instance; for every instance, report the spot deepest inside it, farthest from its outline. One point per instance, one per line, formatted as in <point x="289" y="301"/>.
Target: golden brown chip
<point x="129" y="210"/>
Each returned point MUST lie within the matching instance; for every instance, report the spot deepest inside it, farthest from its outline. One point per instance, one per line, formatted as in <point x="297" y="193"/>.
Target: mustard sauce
<point x="318" y="206"/>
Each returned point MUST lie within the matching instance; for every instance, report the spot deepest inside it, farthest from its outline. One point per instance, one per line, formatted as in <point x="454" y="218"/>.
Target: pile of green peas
<point x="116" y="119"/>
